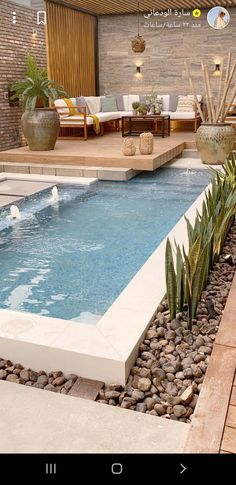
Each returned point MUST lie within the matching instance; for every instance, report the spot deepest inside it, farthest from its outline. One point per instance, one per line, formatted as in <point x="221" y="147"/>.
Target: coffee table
<point x="134" y="125"/>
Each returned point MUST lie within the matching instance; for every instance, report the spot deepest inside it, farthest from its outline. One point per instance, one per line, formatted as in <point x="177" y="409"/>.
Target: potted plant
<point x="142" y="109"/>
<point x="40" y="123"/>
<point x="215" y="138"/>
<point x="154" y="102"/>
<point x="135" y="106"/>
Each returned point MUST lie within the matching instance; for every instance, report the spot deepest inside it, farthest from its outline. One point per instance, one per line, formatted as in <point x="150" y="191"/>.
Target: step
<point x="101" y="173"/>
<point x="39" y="421"/>
<point x="190" y="153"/>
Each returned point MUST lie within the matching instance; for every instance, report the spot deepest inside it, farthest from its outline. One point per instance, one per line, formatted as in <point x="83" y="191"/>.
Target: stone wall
<point x="15" y="42"/>
<point x="166" y="51"/>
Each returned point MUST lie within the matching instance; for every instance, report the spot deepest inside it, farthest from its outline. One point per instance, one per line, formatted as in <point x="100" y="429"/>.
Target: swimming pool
<point x="71" y="260"/>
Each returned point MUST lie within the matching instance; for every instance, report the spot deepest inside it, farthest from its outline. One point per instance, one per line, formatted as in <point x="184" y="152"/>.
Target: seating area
<point x="84" y="112"/>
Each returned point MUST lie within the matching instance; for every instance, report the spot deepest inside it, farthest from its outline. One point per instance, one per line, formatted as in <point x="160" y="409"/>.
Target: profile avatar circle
<point x="218" y="18"/>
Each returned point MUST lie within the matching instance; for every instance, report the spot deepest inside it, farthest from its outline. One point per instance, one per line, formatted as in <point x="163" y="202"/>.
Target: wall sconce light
<point x="138" y="73"/>
<point x="34" y="33"/>
<point x="217" y="70"/>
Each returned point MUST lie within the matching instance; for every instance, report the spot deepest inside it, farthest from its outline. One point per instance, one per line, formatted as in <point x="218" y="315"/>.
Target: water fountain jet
<point x="54" y="195"/>
<point x="15" y="213"/>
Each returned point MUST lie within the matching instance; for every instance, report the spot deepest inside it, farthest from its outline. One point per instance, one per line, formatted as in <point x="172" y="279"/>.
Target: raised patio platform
<point x="105" y="151"/>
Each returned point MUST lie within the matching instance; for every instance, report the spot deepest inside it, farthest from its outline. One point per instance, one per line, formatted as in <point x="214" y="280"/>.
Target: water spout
<point x="54" y="195"/>
<point x="15" y="213"/>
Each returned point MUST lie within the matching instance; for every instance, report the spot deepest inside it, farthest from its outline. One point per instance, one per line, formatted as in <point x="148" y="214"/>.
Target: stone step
<point x="190" y="153"/>
<point x="101" y="173"/>
<point x="37" y="421"/>
<point x="86" y="388"/>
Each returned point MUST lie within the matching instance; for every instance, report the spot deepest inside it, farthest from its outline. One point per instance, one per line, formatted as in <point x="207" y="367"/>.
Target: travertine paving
<point x="46" y="422"/>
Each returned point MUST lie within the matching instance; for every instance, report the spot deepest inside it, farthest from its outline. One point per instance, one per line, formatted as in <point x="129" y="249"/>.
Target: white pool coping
<point x="47" y="178"/>
<point x="105" y="351"/>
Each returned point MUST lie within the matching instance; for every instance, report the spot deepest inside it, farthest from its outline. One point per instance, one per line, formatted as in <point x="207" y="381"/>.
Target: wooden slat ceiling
<point x="109" y="7"/>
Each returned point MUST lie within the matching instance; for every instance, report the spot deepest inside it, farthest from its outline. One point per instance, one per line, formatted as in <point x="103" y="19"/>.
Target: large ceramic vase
<point x="41" y="128"/>
<point x="215" y="141"/>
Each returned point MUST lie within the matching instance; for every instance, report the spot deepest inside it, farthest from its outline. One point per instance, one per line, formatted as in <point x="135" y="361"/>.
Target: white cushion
<point x="125" y="113"/>
<point x="94" y="104"/>
<point x="179" y="115"/>
<point x="126" y="102"/>
<point x="108" y="116"/>
<point x="61" y="103"/>
<point x="129" y="99"/>
<point x="133" y="98"/>
<point x="182" y="115"/>
<point x="78" y="120"/>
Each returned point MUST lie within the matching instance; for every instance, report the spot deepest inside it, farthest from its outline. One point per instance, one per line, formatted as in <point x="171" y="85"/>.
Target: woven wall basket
<point x="138" y="44"/>
<point x="146" y="142"/>
<point x="129" y="148"/>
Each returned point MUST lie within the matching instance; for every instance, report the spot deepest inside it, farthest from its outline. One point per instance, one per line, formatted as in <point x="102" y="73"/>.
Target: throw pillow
<point x="142" y="99"/>
<point x="80" y="101"/>
<point x="109" y="104"/>
<point x="173" y="102"/>
<point x="94" y="104"/>
<point x="120" y="102"/>
<point x="185" y="104"/>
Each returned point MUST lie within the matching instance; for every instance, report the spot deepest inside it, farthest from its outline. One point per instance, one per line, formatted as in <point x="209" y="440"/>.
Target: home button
<point x="116" y="468"/>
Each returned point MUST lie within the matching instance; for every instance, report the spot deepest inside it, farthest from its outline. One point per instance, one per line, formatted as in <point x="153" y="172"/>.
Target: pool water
<point x="71" y="260"/>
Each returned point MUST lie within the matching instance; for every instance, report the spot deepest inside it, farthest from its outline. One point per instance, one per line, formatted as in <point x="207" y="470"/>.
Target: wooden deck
<point x="213" y="428"/>
<point x="104" y="151"/>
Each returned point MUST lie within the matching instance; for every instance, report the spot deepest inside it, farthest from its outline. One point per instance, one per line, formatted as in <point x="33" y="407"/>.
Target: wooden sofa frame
<point x="83" y="125"/>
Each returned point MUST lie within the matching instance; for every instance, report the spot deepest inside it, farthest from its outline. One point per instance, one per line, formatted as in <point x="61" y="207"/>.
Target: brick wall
<point x="15" y="42"/>
<point x="166" y="50"/>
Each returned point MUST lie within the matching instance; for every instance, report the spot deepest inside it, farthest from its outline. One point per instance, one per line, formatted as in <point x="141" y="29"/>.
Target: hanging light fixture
<point x="138" y="43"/>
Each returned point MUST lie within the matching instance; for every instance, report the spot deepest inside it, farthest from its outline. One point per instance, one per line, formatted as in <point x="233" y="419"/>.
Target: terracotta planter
<point x="215" y="141"/>
<point x="41" y="128"/>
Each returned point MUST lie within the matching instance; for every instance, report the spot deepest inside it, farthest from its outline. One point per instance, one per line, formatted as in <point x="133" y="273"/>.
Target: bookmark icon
<point x="41" y="17"/>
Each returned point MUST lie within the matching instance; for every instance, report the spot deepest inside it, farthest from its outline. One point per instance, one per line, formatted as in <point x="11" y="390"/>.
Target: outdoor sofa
<point x="85" y="112"/>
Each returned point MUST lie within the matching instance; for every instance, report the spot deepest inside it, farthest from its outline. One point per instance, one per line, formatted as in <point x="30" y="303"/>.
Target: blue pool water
<point x="73" y="259"/>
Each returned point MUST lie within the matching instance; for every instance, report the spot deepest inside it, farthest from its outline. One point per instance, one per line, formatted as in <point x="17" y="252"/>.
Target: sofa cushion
<point x="125" y="113"/>
<point x="108" y="104"/>
<point x="142" y="99"/>
<point x="129" y="99"/>
<point x="119" y="101"/>
<point x="80" y="101"/>
<point x="60" y="103"/>
<point x="173" y="101"/>
<point x="108" y="116"/>
<point x="183" y="115"/>
<point x="165" y="101"/>
<point x="180" y="115"/>
<point x="185" y="104"/>
<point x="76" y="120"/>
<point x="93" y="103"/>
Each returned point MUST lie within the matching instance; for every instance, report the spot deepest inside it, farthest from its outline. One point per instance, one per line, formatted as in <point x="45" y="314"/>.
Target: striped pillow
<point x="185" y="104"/>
